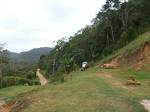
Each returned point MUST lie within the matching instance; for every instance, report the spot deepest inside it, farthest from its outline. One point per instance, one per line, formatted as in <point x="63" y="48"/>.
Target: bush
<point x="10" y="81"/>
<point x="58" y="77"/>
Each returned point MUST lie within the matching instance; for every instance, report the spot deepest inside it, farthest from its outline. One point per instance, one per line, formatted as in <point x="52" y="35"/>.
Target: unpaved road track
<point x="2" y="108"/>
<point x="2" y="102"/>
<point x="42" y="79"/>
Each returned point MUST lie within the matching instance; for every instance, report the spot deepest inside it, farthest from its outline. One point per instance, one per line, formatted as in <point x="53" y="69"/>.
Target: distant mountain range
<point x="31" y="56"/>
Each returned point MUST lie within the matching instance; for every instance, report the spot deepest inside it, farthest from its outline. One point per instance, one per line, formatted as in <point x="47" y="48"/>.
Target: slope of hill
<point x="12" y="55"/>
<point x="95" y="90"/>
<point x="130" y="48"/>
<point x="31" y="56"/>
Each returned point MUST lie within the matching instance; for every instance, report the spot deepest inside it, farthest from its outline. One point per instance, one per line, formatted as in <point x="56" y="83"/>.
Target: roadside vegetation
<point x="115" y="25"/>
<point x="95" y="90"/>
<point x="15" y="73"/>
<point x="120" y="28"/>
<point x="11" y="93"/>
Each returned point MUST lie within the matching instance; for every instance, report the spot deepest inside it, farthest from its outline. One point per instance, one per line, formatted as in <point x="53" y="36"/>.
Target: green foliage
<point x="139" y="75"/>
<point x="11" y="80"/>
<point x="31" y="56"/>
<point x="131" y="47"/>
<point x="4" y="57"/>
<point x="58" y="77"/>
<point x="17" y="74"/>
<point x="90" y="91"/>
<point x="114" y="26"/>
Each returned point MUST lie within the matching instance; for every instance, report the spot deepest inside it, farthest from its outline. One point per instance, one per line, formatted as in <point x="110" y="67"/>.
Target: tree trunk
<point x="107" y="39"/>
<point x="123" y="21"/>
<point x="112" y="32"/>
<point x="1" y="78"/>
<point x="124" y="17"/>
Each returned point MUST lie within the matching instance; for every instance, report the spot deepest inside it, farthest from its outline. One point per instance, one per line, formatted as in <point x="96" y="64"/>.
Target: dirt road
<point x="41" y="77"/>
<point x="2" y="103"/>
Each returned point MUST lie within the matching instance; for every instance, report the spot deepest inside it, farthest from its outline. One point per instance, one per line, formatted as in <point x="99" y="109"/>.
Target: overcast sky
<point x="27" y="24"/>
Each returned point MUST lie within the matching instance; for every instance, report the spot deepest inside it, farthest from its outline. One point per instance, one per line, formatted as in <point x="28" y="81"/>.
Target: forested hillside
<point x="19" y="68"/>
<point x="31" y="56"/>
<point x="115" y="25"/>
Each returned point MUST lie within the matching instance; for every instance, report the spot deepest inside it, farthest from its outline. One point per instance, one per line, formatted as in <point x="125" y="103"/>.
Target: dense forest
<point x="115" y="25"/>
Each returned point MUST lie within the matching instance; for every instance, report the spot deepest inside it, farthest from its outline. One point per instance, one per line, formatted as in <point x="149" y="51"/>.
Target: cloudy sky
<point x="27" y="24"/>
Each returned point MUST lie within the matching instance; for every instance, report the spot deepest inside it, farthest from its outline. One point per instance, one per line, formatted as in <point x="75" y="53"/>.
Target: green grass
<point x="95" y="90"/>
<point x="12" y="92"/>
<point x="90" y="92"/>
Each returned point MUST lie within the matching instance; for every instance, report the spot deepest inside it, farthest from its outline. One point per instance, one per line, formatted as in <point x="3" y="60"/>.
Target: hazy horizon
<point x="28" y="24"/>
<point x="29" y="50"/>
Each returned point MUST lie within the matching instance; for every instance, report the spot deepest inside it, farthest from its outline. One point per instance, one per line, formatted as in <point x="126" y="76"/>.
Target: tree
<point x="3" y="60"/>
<point x="3" y="54"/>
<point x="116" y="24"/>
<point x="67" y="64"/>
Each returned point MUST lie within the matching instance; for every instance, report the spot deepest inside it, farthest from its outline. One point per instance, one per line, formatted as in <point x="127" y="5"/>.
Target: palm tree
<point x="66" y="62"/>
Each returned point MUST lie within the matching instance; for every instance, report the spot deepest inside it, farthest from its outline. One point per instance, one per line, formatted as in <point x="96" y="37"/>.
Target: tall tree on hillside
<point x="3" y="54"/>
<point x="109" y="10"/>
<point x="1" y="46"/>
<point x="3" y="59"/>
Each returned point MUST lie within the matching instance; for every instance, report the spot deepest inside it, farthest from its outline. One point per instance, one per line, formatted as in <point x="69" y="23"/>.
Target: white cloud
<point x="27" y="24"/>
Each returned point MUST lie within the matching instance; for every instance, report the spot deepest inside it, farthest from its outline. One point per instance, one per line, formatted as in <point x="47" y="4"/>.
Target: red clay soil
<point x="7" y="108"/>
<point x="145" y="57"/>
<point x="135" y="59"/>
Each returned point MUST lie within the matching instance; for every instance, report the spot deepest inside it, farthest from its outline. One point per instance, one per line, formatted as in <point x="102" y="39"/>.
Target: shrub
<point x="11" y="80"/>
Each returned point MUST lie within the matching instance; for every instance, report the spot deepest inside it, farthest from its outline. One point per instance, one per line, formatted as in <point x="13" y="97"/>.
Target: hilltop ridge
<point x="31" y="56"/>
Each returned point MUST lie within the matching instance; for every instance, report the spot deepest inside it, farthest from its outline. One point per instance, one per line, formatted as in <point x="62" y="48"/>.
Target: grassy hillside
<point x="131" y="47"/>
<point x="95" y="90"/>
<point x="12" y="92"/>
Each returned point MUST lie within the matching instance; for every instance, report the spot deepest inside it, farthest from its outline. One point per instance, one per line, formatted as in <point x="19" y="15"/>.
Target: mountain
<point x="31" y="56"/>
<point x="12" y="54"/>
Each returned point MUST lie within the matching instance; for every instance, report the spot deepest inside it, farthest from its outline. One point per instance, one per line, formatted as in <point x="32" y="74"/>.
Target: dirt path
<point x="2" y="107"/>
<point x="2" y="102"/>
<point x="146" y="104"/>
<point x="41" y="77"/>
<point x="5" y="109"/>
<point x="9" y="108"/>
<point x="112" y="80"/>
